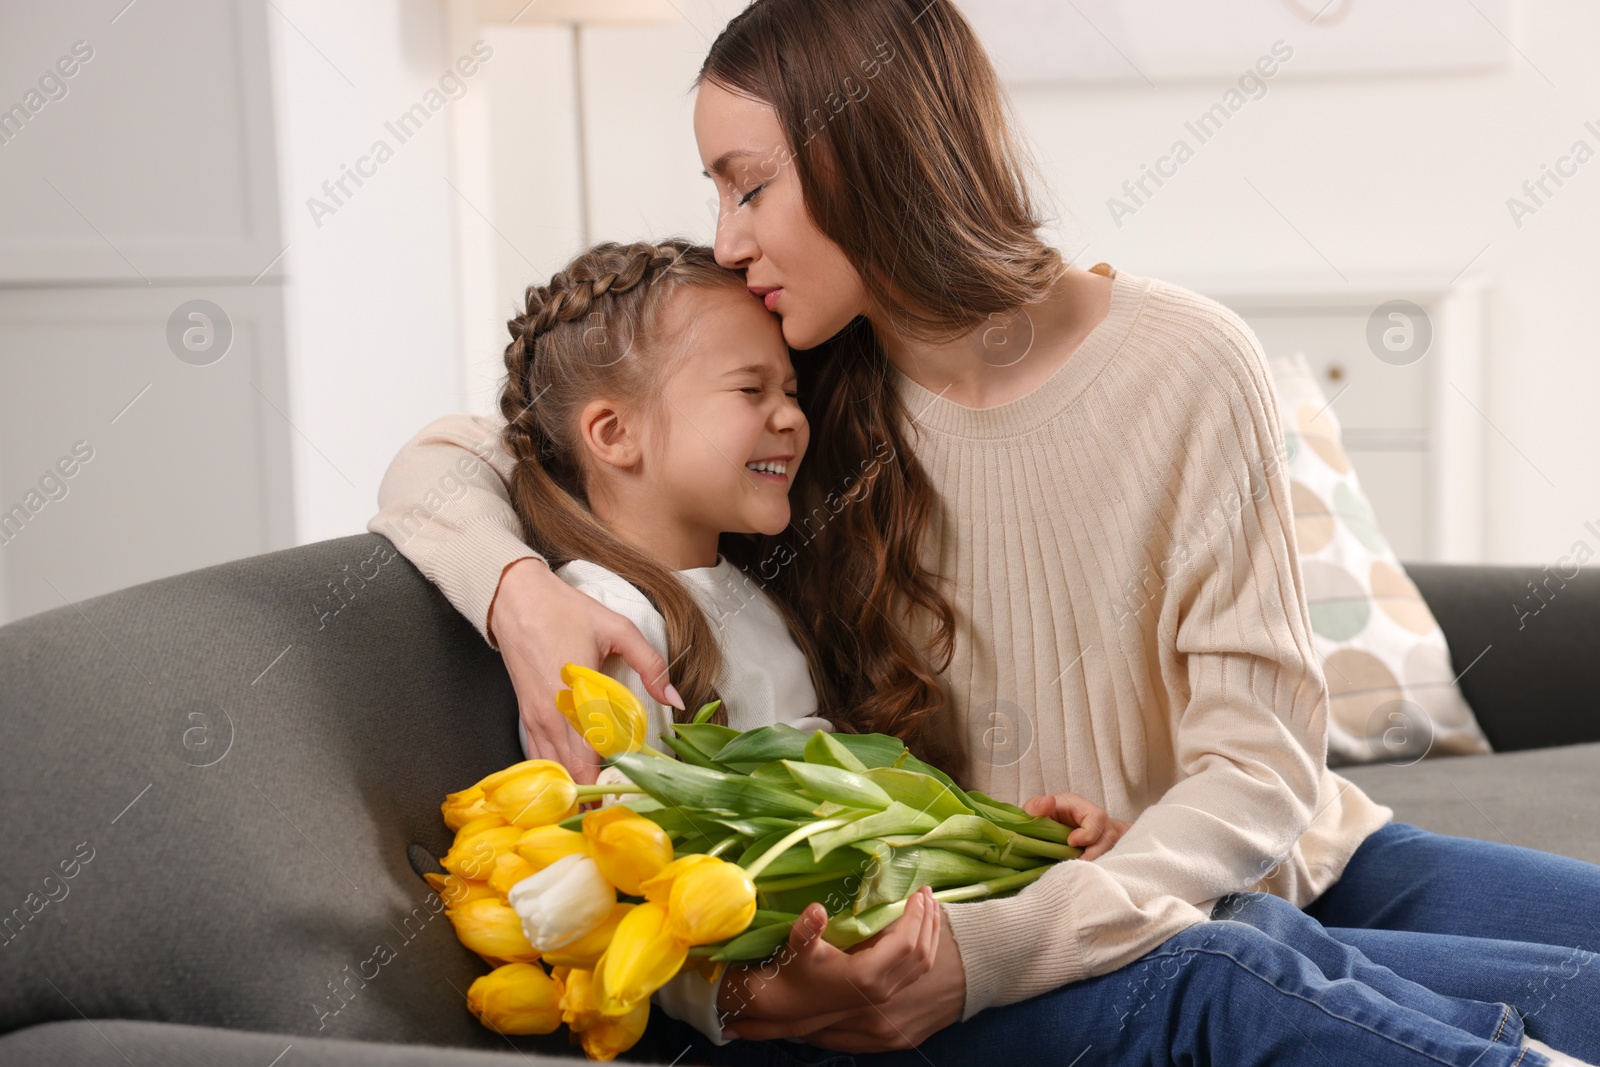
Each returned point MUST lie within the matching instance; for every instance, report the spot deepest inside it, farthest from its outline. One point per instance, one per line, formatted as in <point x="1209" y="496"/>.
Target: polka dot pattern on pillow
<point x="1393" y="695"/>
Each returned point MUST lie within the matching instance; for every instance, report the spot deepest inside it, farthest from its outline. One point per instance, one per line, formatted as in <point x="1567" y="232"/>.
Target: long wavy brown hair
<point x="596" y="329"/>
<point x="901" y="137"/>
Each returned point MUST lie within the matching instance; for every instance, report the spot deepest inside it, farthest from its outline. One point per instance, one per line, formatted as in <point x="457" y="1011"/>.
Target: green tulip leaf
<point x="897" y="818"/>
<point x="837" y="784"/>
<point x="912" y="763"/>
<point x="688" y="752"/>
<point x="772" y="772"/>
<point x="847" y="929"/>
<point x="756" y="825"/>
<point x="977" y="828"/>
<point x="917" y="790"/>
<point x="756" y="943"/>
<point x="909" y="869"/>
<point x="707" y="738"/>
<point x="824" y="748"/>
<point x="875" y="750"/>
<point x="683" y="784"/>
<point x="763" y="745"/>
<point x="1014" y="818"/>
<point x="967" y="828"/>
<point x="833" y="893"/>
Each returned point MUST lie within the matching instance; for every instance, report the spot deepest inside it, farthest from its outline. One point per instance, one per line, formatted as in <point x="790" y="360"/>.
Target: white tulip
<point x="563" y="902"/>
<point x="613" y="776"/>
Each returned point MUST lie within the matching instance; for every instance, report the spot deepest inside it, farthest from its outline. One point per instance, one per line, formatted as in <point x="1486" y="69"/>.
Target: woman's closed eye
<point x="751" y="195"/>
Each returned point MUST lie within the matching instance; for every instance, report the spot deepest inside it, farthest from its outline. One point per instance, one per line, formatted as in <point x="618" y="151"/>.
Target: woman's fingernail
<point x="730" y="1034"/>
<point x="673" y="698"/>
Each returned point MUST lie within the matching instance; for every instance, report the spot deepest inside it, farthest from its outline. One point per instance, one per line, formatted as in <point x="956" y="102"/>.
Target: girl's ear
<point x="609" y="434"/>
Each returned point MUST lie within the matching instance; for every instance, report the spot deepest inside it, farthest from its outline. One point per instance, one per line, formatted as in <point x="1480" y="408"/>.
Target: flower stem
<point x="722" y="846"/>
<point x="760" y="863"/>
<point x="1032" y="846"/>
<point x="800" y="881"/>
<point x="993" y="885"/>
<point x="600" y="789"/>
<point x="845" y="929"/>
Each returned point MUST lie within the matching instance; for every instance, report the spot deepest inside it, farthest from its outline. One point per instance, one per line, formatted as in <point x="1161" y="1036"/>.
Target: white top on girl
<point x="765" y="679"/>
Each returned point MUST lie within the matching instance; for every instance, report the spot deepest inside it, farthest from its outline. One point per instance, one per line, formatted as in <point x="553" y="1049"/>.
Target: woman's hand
<point x="541" y="624"/>
<point x="1096" y="830"/>
<point x="891" y="991"/>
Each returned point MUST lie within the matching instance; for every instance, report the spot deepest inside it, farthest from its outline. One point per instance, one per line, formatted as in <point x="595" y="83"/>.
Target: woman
<point x="1064" y="490"/>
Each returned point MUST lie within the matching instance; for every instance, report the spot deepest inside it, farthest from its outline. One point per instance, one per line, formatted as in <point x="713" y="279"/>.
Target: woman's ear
<point x="610" y="434"/>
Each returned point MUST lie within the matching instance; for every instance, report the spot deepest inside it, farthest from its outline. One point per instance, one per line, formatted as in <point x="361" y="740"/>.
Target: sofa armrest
<point x="1526" y="643"/>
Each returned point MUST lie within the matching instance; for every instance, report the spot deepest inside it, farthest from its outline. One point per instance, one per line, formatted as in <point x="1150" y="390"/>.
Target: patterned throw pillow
<point x="1394" y="695"/>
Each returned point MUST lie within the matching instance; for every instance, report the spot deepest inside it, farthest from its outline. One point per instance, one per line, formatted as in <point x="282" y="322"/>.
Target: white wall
<point x="1382" y="176"/>
<point x="137" y="174"/>
<point x="644" y="170"/>
<point x="394" y="307"/>
<point x="1388" y="176"/>
<point x="373" y="319"/>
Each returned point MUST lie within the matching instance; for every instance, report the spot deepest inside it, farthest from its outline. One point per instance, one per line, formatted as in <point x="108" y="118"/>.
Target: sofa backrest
<point x="1523" y="641"/>
<point x="210" y="784"/>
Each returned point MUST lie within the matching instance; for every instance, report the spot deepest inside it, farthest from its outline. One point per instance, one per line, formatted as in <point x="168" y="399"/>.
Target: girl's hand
<point x="541" y="624"/>
<point x="1096" y="830"/>
<point x="890" y="991"/>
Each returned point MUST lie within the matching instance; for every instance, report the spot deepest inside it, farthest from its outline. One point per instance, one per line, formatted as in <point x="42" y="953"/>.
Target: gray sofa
<point x="219" y="789"/>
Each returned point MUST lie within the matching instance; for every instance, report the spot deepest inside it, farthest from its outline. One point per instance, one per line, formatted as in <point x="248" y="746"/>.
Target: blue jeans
<point x="1480" y="920"/>
<point x="1266" y="983"/>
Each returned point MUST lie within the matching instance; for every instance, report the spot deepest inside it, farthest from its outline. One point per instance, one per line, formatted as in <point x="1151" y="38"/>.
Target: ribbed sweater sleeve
<point x="444" y="503"/>
<point x="1221" y="630"/>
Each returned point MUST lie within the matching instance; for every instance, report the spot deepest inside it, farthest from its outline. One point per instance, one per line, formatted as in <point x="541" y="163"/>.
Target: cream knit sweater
<point x="1132" y="626"/>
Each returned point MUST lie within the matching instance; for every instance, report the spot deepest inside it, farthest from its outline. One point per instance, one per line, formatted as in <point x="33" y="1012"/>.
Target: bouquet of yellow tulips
<point x="584" y="914"/>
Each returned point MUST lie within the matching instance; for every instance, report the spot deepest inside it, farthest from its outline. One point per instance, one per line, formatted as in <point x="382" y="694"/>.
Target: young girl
<point x="651" y="415"/>
<point x="650" y="409"/>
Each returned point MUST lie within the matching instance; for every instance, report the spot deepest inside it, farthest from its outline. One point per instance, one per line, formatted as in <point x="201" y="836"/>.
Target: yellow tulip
<point x="456" y="891"/>
<point x="614" y="1034"/>
<point x="585" y="952"/>
<point x="461" y="808"/>
<point x="543" y="845"/>
<point x="535" y="792"/>
<point x="642" y="958"/>
<point x="603" y="1037"/>
<point x="578" y="1009"/>
<point x="627" y="847"/>
<point x="711" y="970"/>
<point x="658" y="887"/>
<point x="474" y="853"/>
<point x="487" y="821"/>
<point x="518" y="998"/>
<point x="490" y="928"/>
<point x="605" y="712"/>
<point x="509" y="869"/>
<point x="707" y="899"/>
<point x="563" y="902"/>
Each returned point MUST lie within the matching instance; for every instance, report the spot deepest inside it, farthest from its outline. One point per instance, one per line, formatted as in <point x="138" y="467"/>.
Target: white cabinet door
<point x="1411" y="423"/>
<point x="138" y="169"/>
<point x="119" y="461"/>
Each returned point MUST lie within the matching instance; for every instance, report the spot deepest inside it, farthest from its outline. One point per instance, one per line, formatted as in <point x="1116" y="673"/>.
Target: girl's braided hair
<point x="596" y="329"/>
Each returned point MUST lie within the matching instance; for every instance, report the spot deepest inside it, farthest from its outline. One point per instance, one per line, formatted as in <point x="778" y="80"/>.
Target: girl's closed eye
<point x="751" y="195"/>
